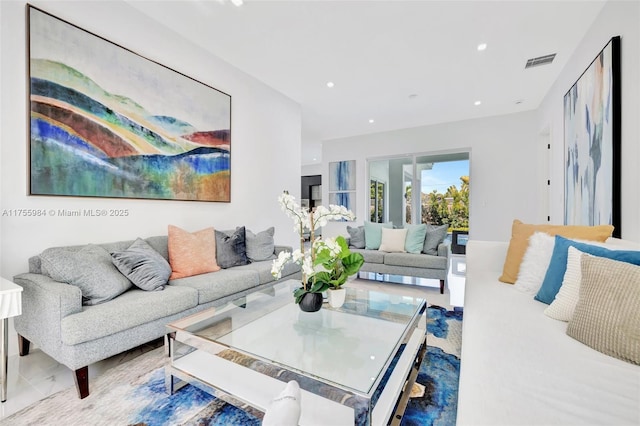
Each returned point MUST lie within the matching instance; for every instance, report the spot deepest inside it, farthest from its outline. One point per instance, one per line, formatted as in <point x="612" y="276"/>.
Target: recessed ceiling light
<point x="315" y="159"/>
<point x="482" y="46"/>
<point x="237" y="3"/>
<point x="476" y="103"/>
<point x="371" y="120"/>
<point x="330" y="84"/>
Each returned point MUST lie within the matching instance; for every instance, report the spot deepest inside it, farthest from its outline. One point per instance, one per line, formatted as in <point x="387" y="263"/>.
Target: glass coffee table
<point x="352" y="363"/>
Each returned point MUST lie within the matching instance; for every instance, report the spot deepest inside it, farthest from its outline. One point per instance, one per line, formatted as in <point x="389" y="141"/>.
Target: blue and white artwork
<point x="347" y="199"/>
<point x="342" y="176"/>
<point x="591" y="134"/>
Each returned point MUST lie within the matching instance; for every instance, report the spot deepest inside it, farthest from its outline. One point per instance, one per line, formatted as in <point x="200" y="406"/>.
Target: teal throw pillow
<point x="435" y="235"/>
<point x="558" y="266"/>
<point x="415" y="238"/>
<point x="373" y="234"/>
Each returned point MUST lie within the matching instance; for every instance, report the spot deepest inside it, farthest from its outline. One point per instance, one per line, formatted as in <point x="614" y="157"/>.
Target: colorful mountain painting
<point x="86" y="141"/>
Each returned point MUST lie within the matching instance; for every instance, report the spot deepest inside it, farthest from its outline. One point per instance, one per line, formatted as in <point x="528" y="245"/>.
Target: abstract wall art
<point x="107" y="122"/>
<point x="342" y="175"/>
<point x="346" y="199"/>
<point x="592" y="143"/>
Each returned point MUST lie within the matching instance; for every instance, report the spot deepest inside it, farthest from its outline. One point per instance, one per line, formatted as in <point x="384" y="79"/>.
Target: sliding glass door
<point x="420" y="188"/>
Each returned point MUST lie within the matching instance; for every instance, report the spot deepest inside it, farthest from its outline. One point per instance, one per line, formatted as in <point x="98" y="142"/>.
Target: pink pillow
<point x="191" y="253"/>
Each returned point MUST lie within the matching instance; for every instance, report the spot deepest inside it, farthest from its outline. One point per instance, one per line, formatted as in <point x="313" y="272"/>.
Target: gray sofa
<point x="408" y="264"/>
<point x="54" y="318"/>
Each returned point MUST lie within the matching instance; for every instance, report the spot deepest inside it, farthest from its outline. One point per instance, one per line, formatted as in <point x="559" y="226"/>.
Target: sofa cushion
<point x="558" y="265"/>
<point x="144" y="266"/>
<point x="415" y="260"/>
<point x="160" y="244"/>
<point x="231" y="248"/>
<point x="435" y="235"/>
<point x="132" y="308"/>
<point x="416" y="235"/>
<point x="264" y="270"/>
<point x="370" y="256"/>
<point x="393" y="240"/>
<point x="260" y="246"/>
<point x="606" y="317"/>
<point x="90" y="268"/>
<point x="373" y="234"/>
<point x="191" y="253"/>
<point x="520" y="233"/>
<point x="356" y="237"/>
<point x="214" y="286"/>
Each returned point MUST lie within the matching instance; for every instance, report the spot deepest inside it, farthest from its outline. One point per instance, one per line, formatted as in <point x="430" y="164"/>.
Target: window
<point x="421" y="188"/>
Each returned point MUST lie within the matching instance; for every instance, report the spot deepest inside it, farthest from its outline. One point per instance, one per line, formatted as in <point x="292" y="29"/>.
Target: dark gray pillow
<point x="89" y="269"/>
<point x="356" y="237"/>
<point x="231" y="248"/>
<point x="435" y="235"/>
<point x="145" y="267"/>
<point x="260" y="246"/>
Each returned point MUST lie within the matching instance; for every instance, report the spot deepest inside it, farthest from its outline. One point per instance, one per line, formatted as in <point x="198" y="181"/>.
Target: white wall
<point x="262" y="119"/>
<point x="617" y="18"/>
<point x="311" y="169"/>
<point x="505" y="167"/>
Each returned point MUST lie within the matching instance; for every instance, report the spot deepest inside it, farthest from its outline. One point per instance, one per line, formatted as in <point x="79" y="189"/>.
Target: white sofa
<point x="520" y="368"/>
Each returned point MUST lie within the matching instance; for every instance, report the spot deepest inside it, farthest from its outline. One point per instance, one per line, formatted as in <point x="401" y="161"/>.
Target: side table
<point x="10" y="306"/>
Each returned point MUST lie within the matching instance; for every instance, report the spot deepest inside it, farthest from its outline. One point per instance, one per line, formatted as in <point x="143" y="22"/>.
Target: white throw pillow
<point x="393" y="240"/>
<point x="535" y="263"/>
<point x="285" y="408"/>
<point x="566" y="300"/>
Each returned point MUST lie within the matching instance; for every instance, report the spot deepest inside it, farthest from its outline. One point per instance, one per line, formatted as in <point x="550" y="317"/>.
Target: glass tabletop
<point x="350" y="346"/>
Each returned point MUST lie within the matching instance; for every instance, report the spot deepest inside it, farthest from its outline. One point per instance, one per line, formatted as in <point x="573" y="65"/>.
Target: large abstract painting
<point x="107" y="122"/>
<point x="592" y="143"/>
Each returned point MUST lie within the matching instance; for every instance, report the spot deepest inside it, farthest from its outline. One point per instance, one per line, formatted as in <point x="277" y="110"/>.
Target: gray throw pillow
<point x="356" y="237"/>
<point x="145" y="267"/>
<point x="260" y="246"/>
<point x="231" y="248"/>
<point x="435" y="235"/>
<point x="89" y="269"/>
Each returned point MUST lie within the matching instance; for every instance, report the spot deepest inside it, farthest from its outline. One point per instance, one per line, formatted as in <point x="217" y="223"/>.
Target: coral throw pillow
<point x="520" y="233"/>
<point x="192" y="253"/>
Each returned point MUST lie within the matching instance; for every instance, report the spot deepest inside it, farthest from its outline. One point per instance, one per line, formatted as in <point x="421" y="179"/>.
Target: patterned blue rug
<point x="134" y="393"/>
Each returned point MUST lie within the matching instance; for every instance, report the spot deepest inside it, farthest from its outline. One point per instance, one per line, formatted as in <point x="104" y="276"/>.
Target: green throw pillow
<point x="415" y="238"/>
<point x="373" y="234"/>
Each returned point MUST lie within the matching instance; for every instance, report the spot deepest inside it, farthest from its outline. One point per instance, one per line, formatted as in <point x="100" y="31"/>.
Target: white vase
<point x="336" y="297"/>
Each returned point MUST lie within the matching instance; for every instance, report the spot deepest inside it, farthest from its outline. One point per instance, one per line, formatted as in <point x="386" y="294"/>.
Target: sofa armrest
<point x="279" y="249"/>
<point x="444" y="249"/>
<point x="43" y="293"/>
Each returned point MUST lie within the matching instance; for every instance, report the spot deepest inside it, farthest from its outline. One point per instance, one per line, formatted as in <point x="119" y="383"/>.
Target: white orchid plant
<point x="328" y="262"/>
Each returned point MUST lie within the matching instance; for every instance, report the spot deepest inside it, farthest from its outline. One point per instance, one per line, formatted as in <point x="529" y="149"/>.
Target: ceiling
<point x="399" y="63"/>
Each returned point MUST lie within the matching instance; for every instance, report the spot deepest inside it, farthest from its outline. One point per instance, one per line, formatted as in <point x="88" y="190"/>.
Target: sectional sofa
<point x="75" y="334"/>
<point x="519" y="366"/>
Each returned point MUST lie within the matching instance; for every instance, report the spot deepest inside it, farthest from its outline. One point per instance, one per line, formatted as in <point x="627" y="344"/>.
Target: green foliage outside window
<point x="450" y="208"/>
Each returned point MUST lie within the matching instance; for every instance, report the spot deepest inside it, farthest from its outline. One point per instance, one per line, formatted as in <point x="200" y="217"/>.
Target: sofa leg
<point x="82" y="381"/>
<point x="23" y="345"/>
<point x="441" y="286"/>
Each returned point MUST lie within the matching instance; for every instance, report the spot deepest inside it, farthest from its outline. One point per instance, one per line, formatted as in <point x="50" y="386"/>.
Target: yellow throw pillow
<point x="191" y="253"/>
<point x="520" y="233"/>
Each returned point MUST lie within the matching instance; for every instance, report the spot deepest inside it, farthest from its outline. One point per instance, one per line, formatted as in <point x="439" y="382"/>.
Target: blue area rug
<point x="134" y="393"/>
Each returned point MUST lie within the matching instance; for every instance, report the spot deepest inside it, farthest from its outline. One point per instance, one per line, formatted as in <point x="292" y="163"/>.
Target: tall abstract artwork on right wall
<point x="592" y="143"/>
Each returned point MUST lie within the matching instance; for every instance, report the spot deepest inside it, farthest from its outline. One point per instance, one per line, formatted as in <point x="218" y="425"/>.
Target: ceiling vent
<point x="540" y="60"/>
